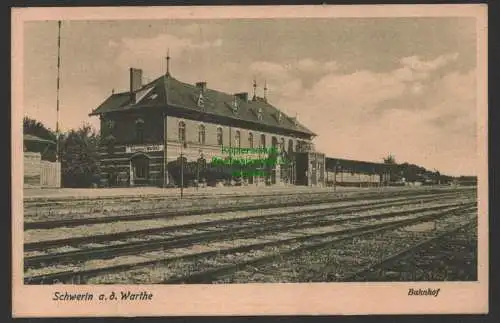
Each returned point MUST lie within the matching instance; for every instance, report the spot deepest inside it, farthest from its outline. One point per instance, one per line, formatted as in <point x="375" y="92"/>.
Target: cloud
<point x="274" y="71"/>
<point x="148" y="53"/>
<point x="416" y="64"/>
<point x="430" y="121"/>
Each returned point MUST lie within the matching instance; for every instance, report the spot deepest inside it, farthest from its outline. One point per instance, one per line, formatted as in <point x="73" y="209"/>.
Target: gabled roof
<point x="171" y="92"/>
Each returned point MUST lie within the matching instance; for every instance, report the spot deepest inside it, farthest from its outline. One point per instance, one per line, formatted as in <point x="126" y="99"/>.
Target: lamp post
<point x="182" y="168"/>
<point x="335" y="176"/>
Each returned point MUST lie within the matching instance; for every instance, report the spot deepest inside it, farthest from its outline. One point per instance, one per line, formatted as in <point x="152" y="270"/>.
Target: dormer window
<point x="280" y="116"/>
<point x="259" y="114"/>
<point x="201" y="101"/>
<point x="235" y="105"/>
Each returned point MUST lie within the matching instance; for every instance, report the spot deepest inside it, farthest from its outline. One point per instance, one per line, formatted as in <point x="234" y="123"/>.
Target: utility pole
<point x="58" y="85"/>
<point x="335" y="176"/>
<point x="182" y="168"/>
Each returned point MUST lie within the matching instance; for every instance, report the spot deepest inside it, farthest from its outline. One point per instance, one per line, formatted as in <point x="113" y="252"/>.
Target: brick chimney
<point x="135" y="81"/>
<point x="243" y="96"/>
<point x="202" y="86"/>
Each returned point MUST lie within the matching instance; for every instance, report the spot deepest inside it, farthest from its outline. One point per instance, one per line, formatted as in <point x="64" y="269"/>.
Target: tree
<point x="38" y="129"/>
<point x="79" y="157"/>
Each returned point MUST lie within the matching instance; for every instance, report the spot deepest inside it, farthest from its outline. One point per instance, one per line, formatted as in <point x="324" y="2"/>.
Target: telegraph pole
<point x="335" y="176"/>
<point x="58" y="81"/>
<point x="182" y="168"/>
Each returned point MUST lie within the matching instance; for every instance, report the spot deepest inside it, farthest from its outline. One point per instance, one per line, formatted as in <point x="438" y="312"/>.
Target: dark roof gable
<point x="167" y="90"/>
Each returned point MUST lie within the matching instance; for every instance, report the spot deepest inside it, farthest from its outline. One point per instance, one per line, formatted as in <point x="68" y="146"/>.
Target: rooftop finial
<point x="265" y="90"/>
<point x="168" y="62"/>
<point x="254" y="88"/>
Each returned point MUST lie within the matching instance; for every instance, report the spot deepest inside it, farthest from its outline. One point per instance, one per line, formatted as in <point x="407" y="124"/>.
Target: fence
<point x="41" y="173"/>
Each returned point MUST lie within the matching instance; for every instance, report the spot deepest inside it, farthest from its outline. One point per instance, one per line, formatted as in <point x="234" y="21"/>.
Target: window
<point x="182" y="131"/>
<point x="219" y="136"/>
<point x="139" y="130"/>
<point x="237" y="137"/>
<point x="282" y="144"/>
<point x="262" y="141"/>
<point x="274" y="142"/>
<point x="250" y="140"/>
<point x="201" y="134"/>
<point x="201" y="101"/>
<point x="110" y="144"/>
<point x="259" y="114"/>
<point x="290" y="145"/>
<point x="235" y="105"/>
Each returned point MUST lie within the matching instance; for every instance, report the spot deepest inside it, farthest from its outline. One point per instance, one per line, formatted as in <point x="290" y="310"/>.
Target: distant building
<point x="145" y="130"/>
<point x="37" y="172"/>
<point x="346" y="172"/>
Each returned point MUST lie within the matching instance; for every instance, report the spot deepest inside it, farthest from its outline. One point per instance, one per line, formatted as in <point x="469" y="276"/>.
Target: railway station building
<point x="146" y="130"/>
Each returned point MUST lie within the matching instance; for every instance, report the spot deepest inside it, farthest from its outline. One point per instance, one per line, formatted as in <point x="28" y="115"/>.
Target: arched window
<point x="139" y="130"/>
<point x="290" y="145"/>
<point x="201" y="134"/>
<point x="262" y="141"/>
<point x="282" y="144"/>
<point x="182" y="131"/>
<point x="250" y="140"/>
<point x="274" y="142"/>
<point x="237" y="139"/>
<point x="219" y="136"/>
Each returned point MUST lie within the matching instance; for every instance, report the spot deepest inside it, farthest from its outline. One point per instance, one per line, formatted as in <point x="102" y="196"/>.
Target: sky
<point x="368" y="87"/>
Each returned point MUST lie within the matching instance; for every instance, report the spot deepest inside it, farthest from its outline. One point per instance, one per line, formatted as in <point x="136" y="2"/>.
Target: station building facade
<point x="146" y="130"/>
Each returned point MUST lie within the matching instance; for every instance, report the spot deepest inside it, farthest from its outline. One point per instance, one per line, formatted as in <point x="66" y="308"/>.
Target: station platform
<point x="135" y="192"/>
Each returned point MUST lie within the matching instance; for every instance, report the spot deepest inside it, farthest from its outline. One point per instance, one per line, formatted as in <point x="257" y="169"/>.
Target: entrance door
<point x="140" y="170"/>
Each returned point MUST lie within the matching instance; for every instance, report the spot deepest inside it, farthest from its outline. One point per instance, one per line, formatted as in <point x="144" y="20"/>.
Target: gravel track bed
<point x="451" y="258"/>
<point x="38" y="235"/>
<point x="131" y="206"/>
<point x="222" y="228"/>
<point x="338" y="262"/>
<point x="180" y="268"/>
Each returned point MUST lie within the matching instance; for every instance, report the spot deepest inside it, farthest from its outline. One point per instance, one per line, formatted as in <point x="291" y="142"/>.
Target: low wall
<point x="40" y="173"/>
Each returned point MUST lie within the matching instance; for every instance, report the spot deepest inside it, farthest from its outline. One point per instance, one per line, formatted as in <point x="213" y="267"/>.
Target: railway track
<point x="212" y="275"/>
<point x="360" y="228"/>
<point x="229" y="223"/>
<point x="397" y="260"/>
<point x="302" y="201"/>
<point x="340" y="261"/>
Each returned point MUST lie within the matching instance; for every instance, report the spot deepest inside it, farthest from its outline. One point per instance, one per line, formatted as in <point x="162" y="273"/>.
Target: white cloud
<point x="309" y="65"/>
<point x="269" y="70"/>
<point x="149" y="53"/>
<point x="415" y="63"/>
<point x="440" y="134"/>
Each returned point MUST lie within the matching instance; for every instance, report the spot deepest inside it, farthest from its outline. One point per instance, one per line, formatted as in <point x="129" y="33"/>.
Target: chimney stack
<point x="202" y="86"/>
<point x="135" y="81"/>
<point x="243" y="96"/>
